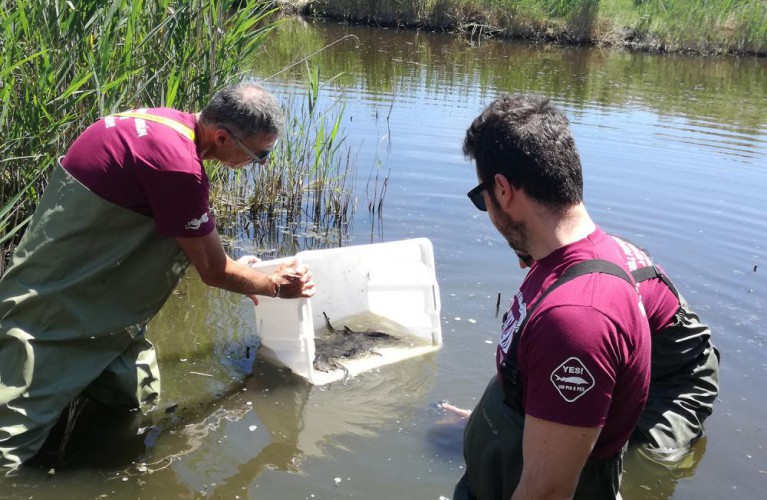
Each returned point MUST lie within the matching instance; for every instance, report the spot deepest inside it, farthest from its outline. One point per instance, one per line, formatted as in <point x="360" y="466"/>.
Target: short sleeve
<point x="571" y="368"/>
<point x="179" y="202"/>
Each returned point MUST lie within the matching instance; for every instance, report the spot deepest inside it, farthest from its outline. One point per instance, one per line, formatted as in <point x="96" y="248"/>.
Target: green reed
<point x="703" y="26"/>
<point x="304" y="196"/>
<point x="64" y="64"/>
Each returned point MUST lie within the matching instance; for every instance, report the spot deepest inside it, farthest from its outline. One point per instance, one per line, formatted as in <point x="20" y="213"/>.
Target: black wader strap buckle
<point x="511" y="386"/>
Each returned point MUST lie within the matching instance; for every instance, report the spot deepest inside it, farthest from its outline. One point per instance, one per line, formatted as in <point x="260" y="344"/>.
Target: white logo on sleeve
<point x="512" y="321"/>
<point x="572" y="380"/>
<point x="196" y="223"/>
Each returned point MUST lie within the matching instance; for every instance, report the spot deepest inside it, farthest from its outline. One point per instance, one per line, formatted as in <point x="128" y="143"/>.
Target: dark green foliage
<point x="64" y="64"/>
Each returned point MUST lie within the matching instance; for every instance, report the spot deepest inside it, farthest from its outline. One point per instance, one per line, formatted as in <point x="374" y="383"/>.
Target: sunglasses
<point x="475" y="195"/>
<point x="253" y="156"/>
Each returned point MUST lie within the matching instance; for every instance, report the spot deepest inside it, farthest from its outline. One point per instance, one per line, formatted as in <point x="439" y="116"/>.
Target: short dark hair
<point x="246" y="109"/>
<point x="528" y="140"/>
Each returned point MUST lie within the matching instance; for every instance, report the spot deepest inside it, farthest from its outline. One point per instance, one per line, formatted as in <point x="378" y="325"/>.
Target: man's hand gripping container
<point x="395" y="281"/>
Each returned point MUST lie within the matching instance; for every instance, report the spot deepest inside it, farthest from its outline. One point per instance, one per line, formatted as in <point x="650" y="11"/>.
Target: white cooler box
<point x="394" y="281"/>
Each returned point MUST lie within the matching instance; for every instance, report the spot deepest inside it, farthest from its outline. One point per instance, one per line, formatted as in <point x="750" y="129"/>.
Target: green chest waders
<point x="493" y="436"/>
<point x="83" y="283"/>
<point x="683" y="386"/>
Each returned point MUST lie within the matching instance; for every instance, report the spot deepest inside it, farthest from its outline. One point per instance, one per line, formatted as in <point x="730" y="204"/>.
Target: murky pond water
<point x="675" y="156"/>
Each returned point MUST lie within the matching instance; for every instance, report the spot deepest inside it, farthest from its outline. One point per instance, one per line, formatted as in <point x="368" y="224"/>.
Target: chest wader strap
<point x="495" y="430"/>
<point x="168" y="122"/>
<point x="510" y="364"/>
<point x="648" y="272"/>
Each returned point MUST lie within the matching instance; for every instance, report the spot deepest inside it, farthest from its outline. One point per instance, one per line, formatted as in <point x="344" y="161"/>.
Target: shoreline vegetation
<point x="66" y="65"/>
<point x="63" y="66"/>
<point x="713" y="27"/>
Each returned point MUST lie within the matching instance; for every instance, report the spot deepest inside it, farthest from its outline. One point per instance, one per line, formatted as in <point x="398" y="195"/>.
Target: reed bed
<point x="705" y="27"/>
<point x="65" y="64"/>
<point x="303" y="198"/>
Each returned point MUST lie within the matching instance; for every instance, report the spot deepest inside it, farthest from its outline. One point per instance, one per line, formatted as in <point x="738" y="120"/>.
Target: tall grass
<point x="710" y="26"/>
<point x="304" y="196"/>
<point x="65" y="64"/>
<point x="738" y="26"/>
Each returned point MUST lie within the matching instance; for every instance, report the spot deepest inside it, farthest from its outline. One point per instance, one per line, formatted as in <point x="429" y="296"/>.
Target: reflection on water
<point x="447" y="70"/>
<point x="674" y="150"/>
<point x="273" y="420"/>
<point x="279" y="421"/>
<point x="647" y="479"/>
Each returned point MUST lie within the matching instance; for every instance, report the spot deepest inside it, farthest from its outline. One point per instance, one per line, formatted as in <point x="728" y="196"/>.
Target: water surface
<point x="674" y="150"/>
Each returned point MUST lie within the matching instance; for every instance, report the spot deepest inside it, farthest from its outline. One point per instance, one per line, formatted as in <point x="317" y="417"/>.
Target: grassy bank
<point x="65" y="64"/>
<point x="699" y="26"/>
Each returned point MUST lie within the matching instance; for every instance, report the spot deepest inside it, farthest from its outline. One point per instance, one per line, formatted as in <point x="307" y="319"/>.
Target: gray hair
<point x="245" y="109"/>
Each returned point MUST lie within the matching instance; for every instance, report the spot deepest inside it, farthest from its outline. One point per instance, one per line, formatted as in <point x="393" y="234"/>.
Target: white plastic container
<point x="394" y="280"/>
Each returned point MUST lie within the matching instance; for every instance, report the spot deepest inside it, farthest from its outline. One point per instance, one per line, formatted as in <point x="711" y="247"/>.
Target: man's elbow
<point x="212" y="275"/>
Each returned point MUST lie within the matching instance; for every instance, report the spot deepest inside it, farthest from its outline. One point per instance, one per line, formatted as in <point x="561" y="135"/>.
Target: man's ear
<point x="503" y="190"/>
<point x="220" y="135"/>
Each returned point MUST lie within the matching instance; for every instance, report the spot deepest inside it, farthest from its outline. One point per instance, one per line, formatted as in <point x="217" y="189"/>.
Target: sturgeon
<point x="347" y="344"/>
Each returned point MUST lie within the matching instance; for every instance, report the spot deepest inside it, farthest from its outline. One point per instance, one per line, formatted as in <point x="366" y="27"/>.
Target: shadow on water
<point x="213" y="444"/>
<point x="271" y="421"/>
<point x="297" y="421"/>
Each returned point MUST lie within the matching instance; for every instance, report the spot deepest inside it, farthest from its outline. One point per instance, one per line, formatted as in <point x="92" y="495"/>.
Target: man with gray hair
<point x="123" y="215"/>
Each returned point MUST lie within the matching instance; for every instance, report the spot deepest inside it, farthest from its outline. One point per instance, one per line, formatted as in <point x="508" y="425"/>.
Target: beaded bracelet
<point x="277" y="292"/>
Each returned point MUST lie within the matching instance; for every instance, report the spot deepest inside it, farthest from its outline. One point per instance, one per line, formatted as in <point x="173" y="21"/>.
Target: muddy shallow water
<point x="675" y="157"/>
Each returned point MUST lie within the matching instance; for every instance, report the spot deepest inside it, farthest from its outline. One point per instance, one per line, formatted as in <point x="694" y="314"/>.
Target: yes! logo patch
<point x="572" y="380"/>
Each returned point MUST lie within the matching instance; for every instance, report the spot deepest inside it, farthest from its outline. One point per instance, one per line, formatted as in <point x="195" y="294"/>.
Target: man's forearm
<point x="239" y="278"/>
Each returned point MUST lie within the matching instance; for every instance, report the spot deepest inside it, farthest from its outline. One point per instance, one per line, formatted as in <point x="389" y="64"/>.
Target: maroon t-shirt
<point x="659" y="301"/>
<point x="584" y="355"/>
<point x="147" y="167"/>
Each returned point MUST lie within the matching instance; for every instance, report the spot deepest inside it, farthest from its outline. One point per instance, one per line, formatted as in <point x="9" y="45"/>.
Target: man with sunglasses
<point x="684" y="380"/>
<point x="573" y="361"/>
<point x="123" y="215"/>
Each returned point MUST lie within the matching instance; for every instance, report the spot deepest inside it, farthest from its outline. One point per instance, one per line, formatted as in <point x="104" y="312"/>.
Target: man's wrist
<point x="277" y="287"/>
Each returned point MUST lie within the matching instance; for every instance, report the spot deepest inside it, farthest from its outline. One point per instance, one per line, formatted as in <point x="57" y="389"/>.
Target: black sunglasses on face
<point x="475" y="195"/>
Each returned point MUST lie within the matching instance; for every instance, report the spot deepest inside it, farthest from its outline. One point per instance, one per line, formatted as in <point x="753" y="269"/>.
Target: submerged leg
<point x="132" y="379"/>
<point x="38" y="380"/>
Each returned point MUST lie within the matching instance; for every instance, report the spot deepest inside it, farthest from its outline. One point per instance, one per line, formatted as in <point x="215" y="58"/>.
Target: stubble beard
<point x="514" y="231"/>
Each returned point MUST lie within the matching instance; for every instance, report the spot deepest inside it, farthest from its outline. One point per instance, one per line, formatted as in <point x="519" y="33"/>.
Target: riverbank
<point x="736" y="27"/>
